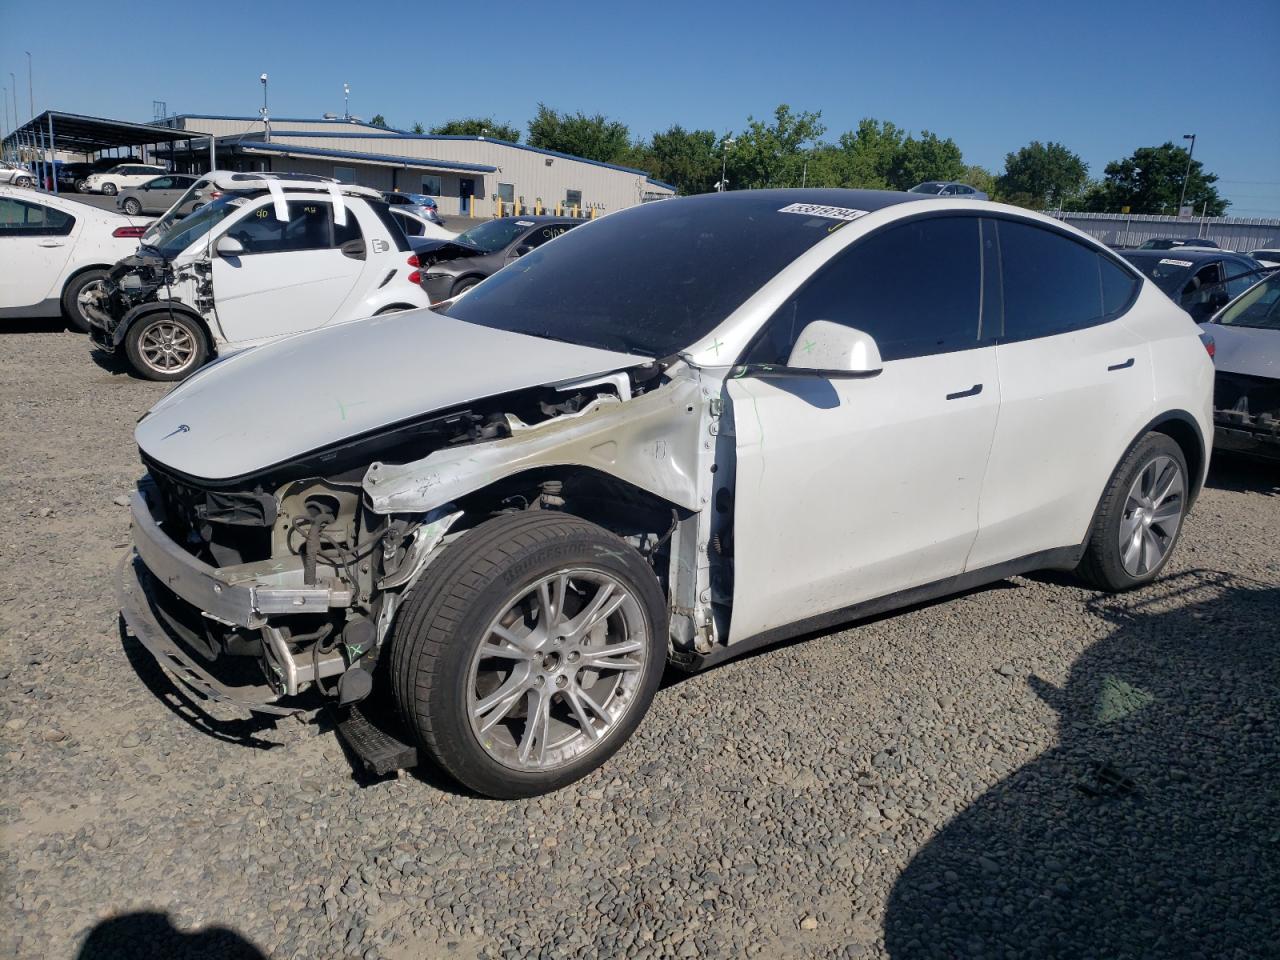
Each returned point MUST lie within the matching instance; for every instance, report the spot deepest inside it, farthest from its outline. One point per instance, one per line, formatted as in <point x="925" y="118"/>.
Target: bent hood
<point x="265" y="406"/>
<point x="1247" y="351"/>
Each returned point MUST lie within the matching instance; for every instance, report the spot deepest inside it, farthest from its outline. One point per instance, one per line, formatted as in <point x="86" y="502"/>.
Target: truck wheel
<point x="165" y="346"/>
<point x="72" y="308"/>
<point x="1140" y="517"/>
<point x="132" y="206"/>
<point x="529" y="653"/>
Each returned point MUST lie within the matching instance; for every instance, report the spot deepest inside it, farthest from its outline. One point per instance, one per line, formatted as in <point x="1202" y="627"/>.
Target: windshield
<point x="652" y="279"/>
<point x="494" y="235"/>
<point x="179" y="235"/>
<point x="1259" y="306"/>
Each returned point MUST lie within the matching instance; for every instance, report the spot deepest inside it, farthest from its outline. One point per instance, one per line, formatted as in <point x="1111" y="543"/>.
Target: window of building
<point x="507" y="192"/>
<point x="431" y="185"/>
<point x="573" y="198"/>
<point x="345" y="174"/>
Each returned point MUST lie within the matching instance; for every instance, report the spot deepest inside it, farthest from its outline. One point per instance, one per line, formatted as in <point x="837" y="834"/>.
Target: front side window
<point x="915" y="287"/>
<point x="20" y="218"/>
<point x="550" y="231"/>
<point x="1051" y="283"/>
<point x="1240" y="277"/>
<point x="309" y="227"/>
<point x="1260" y="307"/>
<point x="160" y="183"/>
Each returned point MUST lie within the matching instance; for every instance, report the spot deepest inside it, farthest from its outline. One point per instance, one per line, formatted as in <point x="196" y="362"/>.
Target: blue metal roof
<point x="387" y="158"/>
<point x="218" y="116"/>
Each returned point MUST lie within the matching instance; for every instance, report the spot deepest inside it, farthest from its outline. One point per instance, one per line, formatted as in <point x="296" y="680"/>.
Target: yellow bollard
<point x="537" y="208"/>
<point x="499" y="207"/>
<point x="593" y="213"/>
<point x="575" y="211"/>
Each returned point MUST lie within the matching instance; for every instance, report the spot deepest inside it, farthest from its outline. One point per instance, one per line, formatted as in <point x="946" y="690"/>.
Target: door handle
<point x="52" y="243"/>
<point x="1122" y="366"/>
<point x="971" y="392"/>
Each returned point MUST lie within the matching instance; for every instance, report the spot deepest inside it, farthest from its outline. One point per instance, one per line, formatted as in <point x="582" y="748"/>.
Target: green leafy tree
<point x="983" y="179"/>
<point x="774" y="154"/>
<point x="478" y="127"/>
<point x="417" y="128"/>
<point x="866" y="157"/>
<point x="689" y="160"/>
<point x="593" y="138"/>
<point x="379" y="120"/>
<point x="1150" y="181"/>
<point x="926" y="157"/>
<point x="1043" y="175"/>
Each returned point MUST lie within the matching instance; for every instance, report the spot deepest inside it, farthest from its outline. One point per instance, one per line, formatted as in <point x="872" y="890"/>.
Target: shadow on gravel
<point x="1150" y="830"/>
<point x="1244" y="474"/>
<point x="152" y="936"/>
<point x="35" y="325"/>
<point x="190" y="710"/>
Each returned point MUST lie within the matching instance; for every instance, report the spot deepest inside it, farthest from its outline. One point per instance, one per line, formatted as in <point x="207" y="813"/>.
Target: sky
<point x="1103" y="78"/>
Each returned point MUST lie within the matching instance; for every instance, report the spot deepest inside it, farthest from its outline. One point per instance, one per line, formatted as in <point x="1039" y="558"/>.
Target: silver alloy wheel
<point x="166" y="347"/>
<point x="1152" y="514"/>
<point x="132" y="207"/>
<point x="557" y="670"/>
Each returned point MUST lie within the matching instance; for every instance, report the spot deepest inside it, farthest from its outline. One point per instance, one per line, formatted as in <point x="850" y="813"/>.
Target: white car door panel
<point x="847" y="490"/>
<point x="33" y="251"/>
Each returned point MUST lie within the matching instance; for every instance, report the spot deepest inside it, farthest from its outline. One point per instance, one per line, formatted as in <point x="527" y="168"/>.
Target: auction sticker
<point x="820" y="210"/>
<point x="1178" y="263"/>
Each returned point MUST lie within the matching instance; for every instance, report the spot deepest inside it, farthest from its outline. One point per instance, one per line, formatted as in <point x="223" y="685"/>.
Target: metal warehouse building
<point x="468" y="174"/>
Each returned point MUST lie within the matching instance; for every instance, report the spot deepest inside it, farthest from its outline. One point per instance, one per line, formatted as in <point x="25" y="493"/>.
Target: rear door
<point x="1075" y="388"/>
<point x="294" y="275"/>
<point x="35" y="244"/>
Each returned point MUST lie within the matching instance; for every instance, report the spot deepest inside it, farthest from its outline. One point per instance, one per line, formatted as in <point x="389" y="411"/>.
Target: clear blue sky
<point x="1101" y="77"/>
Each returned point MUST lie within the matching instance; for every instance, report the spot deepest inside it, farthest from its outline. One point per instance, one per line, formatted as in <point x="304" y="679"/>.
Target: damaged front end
<point x="137" y="283"/>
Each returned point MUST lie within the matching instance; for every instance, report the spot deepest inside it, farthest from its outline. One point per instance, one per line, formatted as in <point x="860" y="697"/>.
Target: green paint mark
<point x="808" y="346"/>
<point x="716" y="345"/>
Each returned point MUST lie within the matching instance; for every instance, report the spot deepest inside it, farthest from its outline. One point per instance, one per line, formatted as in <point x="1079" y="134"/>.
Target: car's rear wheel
<point x="110" y="189"/>
<point x="165" y="346"/>
<point x="462" y="286"/>
<point x="529" y="653"/>
<point x="1140" y="517"/>
<point x="132" y="206"/>
<point x="76" y="294"/>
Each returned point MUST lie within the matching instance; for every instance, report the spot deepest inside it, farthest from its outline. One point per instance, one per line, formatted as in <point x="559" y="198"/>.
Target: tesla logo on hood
<point x="181" y="428"/>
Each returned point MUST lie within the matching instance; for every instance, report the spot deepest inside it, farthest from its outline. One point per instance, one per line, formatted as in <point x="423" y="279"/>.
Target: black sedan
<point x="1200" y="281"/>
<point x="451" y="266"/>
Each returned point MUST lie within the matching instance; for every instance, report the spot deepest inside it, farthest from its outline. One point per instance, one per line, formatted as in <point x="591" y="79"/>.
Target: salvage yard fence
<point x="1131" y="230"/>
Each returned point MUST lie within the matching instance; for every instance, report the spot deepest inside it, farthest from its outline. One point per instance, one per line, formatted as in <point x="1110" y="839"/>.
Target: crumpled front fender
<point x="651" y="441"/>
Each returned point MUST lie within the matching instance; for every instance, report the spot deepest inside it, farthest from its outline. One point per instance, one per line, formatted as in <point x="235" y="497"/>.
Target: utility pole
<point x="724" y="162"/>
<point x="1186" y="176"/>
<point x="266" y="120"/>
<point x="346" y="101"/>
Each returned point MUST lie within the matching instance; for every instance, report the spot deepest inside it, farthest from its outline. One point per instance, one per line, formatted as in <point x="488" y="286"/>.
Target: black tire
<point x="1103" y="565"/>
<point x="132" y="207"/>
<point x="23" y="182"/>
<point x="110" y="189"/>
<point x="136" y="349"/>
<point x="80" y="185"/>
<point x="463" y="285"/>
<point x="438" y="631"/>
<point x="75" y="317"/>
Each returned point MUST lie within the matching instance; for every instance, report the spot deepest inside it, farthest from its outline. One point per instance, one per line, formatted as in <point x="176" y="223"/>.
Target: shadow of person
<point x="1151" y="830"/>
<point x="148" y="935"/>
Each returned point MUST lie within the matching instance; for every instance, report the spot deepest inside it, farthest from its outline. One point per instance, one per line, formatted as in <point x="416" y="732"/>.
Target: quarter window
<point x="915" y="287"/>
<point x="18" y="218"/>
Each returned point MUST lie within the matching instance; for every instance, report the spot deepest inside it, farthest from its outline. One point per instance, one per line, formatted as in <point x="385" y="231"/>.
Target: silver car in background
<point x="948" y="188"/>
<point x="159" y="194"/>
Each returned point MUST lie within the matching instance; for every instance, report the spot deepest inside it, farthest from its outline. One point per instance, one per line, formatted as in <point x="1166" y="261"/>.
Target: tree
<point x="379" y="120"/>
<point x="926" y="157"/>
<point x="774" y="154"/>
<point x="983" y="179"/>
<point x="865" y="158"/>
<point x="689" y="160"/>
<point x="1150" y="181"/>
<point x="417" y="128"/>
<point x="593" y="138"/>
<point x="478" y="127"/>
<point x="1043" y="175"/>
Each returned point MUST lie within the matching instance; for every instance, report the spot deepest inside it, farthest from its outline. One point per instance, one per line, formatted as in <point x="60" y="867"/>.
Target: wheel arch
<point x="165" y="306"/>
<point x="1181" y="427"/>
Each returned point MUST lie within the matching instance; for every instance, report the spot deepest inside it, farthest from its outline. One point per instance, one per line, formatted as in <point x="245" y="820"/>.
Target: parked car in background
<point x="422" y="233"/>
<point x="159" y="194"/>
<point x="418" y="203"/>
<point x="1267" y="256"/>
<point x="1169" y="243"/>
<point x="455" y="266"/>
<point x="948" y="188"/>
<point x="52" y="250"/>
<point x="15" y="175"/>
<point x="1246" y="393"/>
<point x="118" y="178"/>
<point x="72" y="176"/>
<point x="1200" y="281"/>
<point x="672" y="436"/>
<point x="252" y="266"/>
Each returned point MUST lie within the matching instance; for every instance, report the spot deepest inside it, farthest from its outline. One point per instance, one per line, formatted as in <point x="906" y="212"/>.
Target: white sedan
<point x="53" y="249"/>
<point x="122" y="177"/>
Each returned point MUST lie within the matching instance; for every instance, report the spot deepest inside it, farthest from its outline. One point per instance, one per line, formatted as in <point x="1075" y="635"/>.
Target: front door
<point x="293" y="275"/>
<point x="466" y="190"/>
<point x="851" y="489"/>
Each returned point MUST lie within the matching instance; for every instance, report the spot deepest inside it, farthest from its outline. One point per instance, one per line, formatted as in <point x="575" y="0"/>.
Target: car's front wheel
<point x="110" y="189"/>
<point x="132" y="206"/>
<point x="165" y="346"/>
<point x="529" y="653"/>
<point x="80" y="186"/>
<point x="1140" y="517"/>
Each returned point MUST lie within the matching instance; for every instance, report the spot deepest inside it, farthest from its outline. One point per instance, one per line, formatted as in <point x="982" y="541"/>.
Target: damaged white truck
<point x="668" y="437"/>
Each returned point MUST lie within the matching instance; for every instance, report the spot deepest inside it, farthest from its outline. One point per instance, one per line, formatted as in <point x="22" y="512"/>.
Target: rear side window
<point x="18" y="218"/>
<point x="1053" y="284"/>
<point x="915" y="287"/>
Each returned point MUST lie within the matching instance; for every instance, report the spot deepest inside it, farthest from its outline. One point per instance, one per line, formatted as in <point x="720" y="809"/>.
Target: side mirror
<point x="229" y="247"/>
<point x="834" y="350"/>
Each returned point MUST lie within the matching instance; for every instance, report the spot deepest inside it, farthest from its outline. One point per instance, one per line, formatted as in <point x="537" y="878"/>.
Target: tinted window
<point x="18" y="218"/>
<point x="310" y="227"/>
<point x="915" y="287"/>
<point x="160" y="183"/>
<point x="1260" y="307"/>
<point x="411" y="226"/>
<point x="344" y="233"/>
<point x="1240" y="277"/>
<point x="537" y="238"/>
<point x="1119" y="286"/>
<point x="1052" y="284"/>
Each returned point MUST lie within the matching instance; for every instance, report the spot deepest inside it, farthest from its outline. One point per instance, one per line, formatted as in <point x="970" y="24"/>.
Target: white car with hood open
<point x="670" y="436"/>
<point x="266" y="257"/>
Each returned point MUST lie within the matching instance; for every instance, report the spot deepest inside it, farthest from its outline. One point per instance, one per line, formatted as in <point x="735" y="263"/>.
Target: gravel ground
<point x="1026" y="770"/>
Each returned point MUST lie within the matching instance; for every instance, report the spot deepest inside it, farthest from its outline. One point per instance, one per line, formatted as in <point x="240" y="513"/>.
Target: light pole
<point x="30" y="92"/>
<point x="266" y="120"/>
<point x="346" y="101"/>
<point x="17" y="141"/>
<point x="724" y="162"/>
<point x="1183" y="198"/>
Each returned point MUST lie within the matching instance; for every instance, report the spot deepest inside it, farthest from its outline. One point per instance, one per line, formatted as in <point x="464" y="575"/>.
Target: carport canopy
<point x="81" y="134"/>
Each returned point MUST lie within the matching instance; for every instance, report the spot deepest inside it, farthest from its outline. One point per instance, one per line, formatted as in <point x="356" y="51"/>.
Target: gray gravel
<point x="1027" y="770"/>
